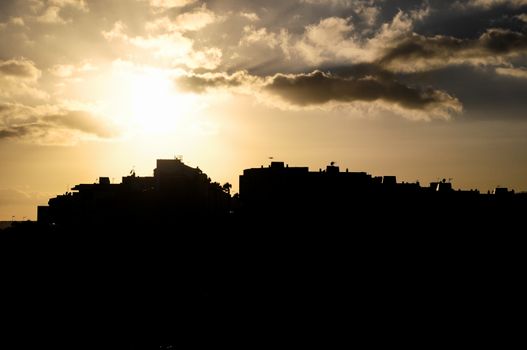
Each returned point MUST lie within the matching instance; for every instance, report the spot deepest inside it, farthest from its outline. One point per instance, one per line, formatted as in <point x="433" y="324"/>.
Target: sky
<point x="423" y="90"/>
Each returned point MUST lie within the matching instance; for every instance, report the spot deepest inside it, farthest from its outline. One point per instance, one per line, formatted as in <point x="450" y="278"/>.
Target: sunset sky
<point x="423" y="90"/>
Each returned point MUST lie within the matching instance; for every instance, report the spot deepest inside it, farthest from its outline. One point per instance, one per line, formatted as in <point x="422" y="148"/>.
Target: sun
<point x="153" y="103"/>
<point x="146" y="100"/>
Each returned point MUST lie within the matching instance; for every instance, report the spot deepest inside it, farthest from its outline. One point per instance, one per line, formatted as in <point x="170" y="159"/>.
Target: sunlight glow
<point x="145" y="100"/>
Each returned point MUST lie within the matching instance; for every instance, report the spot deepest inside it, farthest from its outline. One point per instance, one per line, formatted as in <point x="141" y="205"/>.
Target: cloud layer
<point x="19" y="68"/>
<point x="420" y="53"/>
<point x="300" y="54"/>
<point x="47" y="124"/>
<point x="324" y="89"/>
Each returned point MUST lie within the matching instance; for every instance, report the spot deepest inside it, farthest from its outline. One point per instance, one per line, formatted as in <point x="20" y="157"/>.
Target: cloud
<point x="76" y="4"/>
<point x="52" y="13"/>
<point x="117" y="32"/>
<point x="167" y="4"/>
<point x="251" y="16"/>
<point x="329" y="40"/>
<point x="251" y="36"/>
<point x="68" y="70"/>
<point x="522" y="17"/>
<point x="17" y="21"/>
<point x="512" y="72"/>
<point x="335" y="40"/>
<point x="487" y="4"/>
<point x="207" y="58"/>
<point x="18" y="77"/>
<point x="14" y="132"/>
<point x="342" y="3"/>
<point x="297" y="37"/>
<point x="47" y="124"/>
<point x="193" y="20"/>
<point x="318" y="88"/>
<point x="325" y="89"/>
<point x="200" y="83"/>
<point x="366" y="10"/>
<point x="170" y="45"/>
<point x="420" y="53"/>
<point x="51" y="16"/>
<point x="82" y="121"/>
<point x="20" y="68"/>
<point x="196" y="19"/>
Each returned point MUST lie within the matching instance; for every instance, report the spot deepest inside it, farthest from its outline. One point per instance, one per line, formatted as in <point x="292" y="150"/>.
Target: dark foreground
<point x="264" y="282"/>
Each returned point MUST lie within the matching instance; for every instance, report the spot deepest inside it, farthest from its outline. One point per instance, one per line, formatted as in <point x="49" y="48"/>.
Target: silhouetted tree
<point x="227" y="188"/>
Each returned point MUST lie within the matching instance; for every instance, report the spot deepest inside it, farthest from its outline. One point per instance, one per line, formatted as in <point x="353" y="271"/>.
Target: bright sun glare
<point x="147" y="101"/>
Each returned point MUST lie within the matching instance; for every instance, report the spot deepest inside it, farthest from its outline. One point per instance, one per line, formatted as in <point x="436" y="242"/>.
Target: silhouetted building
<point x="175" y="192"/>
<point x="502" y="191"/>
<point x="178" y="192"/>
<point x="284" y="189"/>
<point x="332" y="194"/>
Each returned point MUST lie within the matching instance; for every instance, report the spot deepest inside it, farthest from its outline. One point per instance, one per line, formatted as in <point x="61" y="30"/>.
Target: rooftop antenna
<point x="132" y="172"/>
<point x="332" y="163"/>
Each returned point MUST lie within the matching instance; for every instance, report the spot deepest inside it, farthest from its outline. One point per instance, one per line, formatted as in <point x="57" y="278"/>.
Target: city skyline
<point x="423" y="90"/>
<point x="178" y="193"/>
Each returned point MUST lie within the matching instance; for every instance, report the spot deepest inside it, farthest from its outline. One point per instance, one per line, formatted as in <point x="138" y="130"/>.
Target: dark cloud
<point x="468" y="23"/>
<point x="14" y="132"/>
<point x="44" y="123"/>
<point x="7" y="7"/>
<point x="502" y="41"/>
<point x="21" y="68"/>
<point x="488" y="4"/>
<point x="366" y="48"/>
<point x="36" y="132"/>
<point x="359" y="70"/>
<point x="485" y="94"/>
<point x="201" y="82"/>
<point x="82" y="121"/>
<point x="320" y="88"/>
<point x="421" y="53"/>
